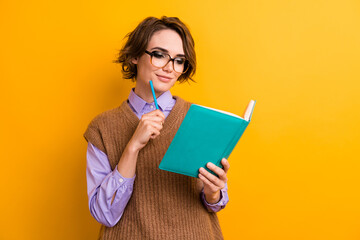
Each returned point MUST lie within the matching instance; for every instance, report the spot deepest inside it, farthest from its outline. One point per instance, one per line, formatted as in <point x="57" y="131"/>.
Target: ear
<point x="134" y="60"/>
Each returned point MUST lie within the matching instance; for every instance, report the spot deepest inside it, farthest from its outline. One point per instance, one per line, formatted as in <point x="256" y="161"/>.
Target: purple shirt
<point x="103" y="183"/>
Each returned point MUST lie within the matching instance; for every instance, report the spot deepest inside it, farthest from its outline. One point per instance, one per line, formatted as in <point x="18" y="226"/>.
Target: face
<point x="167" y="41"/>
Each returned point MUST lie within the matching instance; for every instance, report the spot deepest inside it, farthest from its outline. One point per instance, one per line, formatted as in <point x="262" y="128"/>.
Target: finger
<point x="219" y="171"/>
<point x="225" y="164"/>
<point x="152" y="118"/>
<point x="154" y="134"/>
<point x="156" y="125"/>
<point x="209" y="184"/>
<point x="153" y="128"/>
<point x="148" y="123"/>
<point x="157" y="112"/>
<point x="160" y="113"/>
<point x="213" y="179"/>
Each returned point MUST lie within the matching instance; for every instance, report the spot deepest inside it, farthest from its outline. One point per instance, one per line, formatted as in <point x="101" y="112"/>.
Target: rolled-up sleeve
<point x="216" y="207"/>
<point x="102" y="184"/>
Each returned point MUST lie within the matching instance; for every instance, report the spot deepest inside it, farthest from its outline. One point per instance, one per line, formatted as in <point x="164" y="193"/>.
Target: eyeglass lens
<point x="159" y="59"/>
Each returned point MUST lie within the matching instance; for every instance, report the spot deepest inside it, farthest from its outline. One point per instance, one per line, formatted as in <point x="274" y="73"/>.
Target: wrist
<point x="212" y="198"/>
<point x="127" y="163"/>
<point x="132" y="147"/>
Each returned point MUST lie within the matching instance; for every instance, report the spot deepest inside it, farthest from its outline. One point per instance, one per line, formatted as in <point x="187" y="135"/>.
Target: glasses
<point x="160" y="60"/>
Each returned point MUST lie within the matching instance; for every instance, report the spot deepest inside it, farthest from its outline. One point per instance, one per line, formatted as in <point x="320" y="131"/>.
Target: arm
<point x="108" y="191"/>
<point x="148" y="128"/>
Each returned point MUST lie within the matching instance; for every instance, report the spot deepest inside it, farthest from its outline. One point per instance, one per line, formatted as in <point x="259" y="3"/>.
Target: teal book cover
<point x="205" y="135"/>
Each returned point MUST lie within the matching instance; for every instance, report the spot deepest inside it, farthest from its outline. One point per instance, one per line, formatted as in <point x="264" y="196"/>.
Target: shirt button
<point x="151" y="106"/>
<point x="121" y="180"/>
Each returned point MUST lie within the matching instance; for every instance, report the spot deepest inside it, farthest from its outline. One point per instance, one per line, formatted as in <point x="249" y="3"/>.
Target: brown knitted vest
<point x="163" y="205"/>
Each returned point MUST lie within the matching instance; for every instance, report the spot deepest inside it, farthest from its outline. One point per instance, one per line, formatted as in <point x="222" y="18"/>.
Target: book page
<point x="221" y="111"/>
<point x="247" y="114"/>
<point x="249" y="110"/>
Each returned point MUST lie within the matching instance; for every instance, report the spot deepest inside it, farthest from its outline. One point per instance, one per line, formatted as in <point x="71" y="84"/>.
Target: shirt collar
<point x="164" y="100"/>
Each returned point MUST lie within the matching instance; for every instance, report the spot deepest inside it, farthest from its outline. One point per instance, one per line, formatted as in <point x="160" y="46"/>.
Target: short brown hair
<point x="139" y="38"/>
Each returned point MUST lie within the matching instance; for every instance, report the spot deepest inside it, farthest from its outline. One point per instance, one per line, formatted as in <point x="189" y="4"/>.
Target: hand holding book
<point x="213" y="184"/>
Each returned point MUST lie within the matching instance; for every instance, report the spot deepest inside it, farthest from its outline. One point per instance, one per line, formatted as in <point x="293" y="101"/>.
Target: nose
<point x="169" y="67"/>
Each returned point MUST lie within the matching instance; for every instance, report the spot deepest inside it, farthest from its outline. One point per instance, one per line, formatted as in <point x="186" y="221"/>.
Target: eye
<point x="180" y="61"/>
<point x="157" y="54"/>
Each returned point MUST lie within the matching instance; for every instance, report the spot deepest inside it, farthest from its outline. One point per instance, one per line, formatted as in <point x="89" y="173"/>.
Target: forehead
<point x="167" y="39"/>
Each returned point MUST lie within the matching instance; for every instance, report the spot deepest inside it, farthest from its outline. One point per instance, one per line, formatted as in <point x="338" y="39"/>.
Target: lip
<point x="163" y="78"/>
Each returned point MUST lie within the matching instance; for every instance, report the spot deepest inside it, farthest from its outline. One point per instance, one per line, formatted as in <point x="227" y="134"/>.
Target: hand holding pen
<point x="149" y="126"/>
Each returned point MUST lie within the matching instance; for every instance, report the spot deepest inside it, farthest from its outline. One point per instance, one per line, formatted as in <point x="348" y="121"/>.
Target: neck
<point x="145" y="92"/>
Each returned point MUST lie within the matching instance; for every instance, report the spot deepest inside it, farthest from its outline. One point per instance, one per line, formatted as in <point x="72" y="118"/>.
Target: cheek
<point x="175" y="80"/>
<point x="177" y="76"/>
<point x="145" y="68"/>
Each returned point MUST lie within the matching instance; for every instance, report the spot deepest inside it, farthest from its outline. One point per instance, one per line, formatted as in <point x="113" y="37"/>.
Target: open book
<point x="205" y="135"/>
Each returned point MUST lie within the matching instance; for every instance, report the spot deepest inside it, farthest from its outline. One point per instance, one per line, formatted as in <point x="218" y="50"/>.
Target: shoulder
<point x="182" y="102"/>
<point x="106" y="116"/>
<point x="100" y="125"/>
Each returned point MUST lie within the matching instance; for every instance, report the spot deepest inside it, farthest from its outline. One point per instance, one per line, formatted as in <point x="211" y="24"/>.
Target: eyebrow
<point x="166" y="51"/>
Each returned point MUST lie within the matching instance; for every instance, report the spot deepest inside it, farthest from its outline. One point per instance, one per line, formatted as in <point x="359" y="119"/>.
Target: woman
<point x="128" y="193"/>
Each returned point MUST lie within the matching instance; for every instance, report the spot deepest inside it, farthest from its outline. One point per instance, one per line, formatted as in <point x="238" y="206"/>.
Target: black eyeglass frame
<point x="186" y="63"/>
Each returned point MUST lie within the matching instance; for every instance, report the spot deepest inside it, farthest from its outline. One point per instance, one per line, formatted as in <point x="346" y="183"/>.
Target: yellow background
<point x="295" y="172"/>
